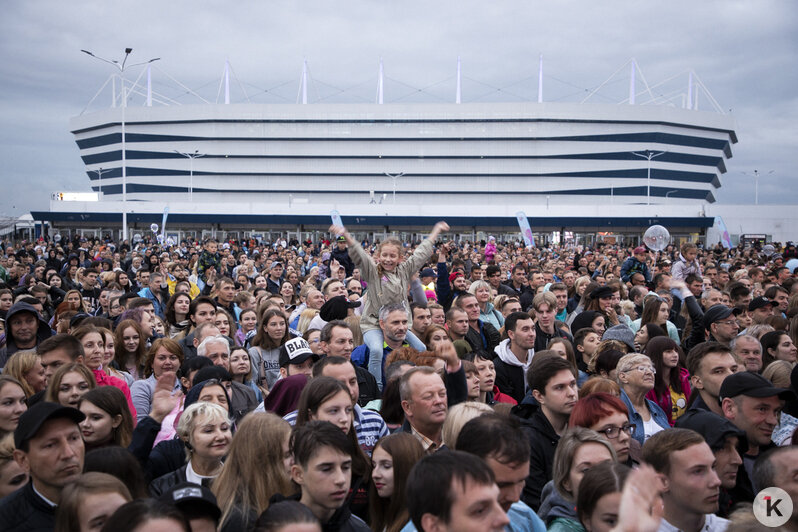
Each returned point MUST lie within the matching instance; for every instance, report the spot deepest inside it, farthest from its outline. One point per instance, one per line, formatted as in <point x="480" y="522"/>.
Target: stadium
<point x="246" y="168"/>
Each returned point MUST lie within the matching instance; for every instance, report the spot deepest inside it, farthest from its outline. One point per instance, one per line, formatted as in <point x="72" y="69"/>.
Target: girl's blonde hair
<point x="253" y="471"/>
<point x="19" y="365"/>
<point x="458" y="416"/>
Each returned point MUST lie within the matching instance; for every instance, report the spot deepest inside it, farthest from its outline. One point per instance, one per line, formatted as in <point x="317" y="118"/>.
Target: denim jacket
<point x="657" y="414"/>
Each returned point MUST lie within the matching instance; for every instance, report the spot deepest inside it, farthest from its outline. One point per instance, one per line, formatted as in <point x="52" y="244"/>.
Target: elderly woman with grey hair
<point x="487" y="311"/>
<point x="636" y="377"/>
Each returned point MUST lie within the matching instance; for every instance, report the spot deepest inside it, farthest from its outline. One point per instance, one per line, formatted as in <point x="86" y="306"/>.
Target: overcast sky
<point x="745" y="52"/>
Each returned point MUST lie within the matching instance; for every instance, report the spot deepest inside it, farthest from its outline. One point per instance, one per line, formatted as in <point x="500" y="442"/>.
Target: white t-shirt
<point x="650" y="428"/>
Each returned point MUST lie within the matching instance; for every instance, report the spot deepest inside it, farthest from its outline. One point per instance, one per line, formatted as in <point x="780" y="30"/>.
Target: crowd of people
<point x="394" y="386"/>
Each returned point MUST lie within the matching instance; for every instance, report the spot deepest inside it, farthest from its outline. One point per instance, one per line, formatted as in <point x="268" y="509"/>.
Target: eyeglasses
<point x="644" y="369"/>
<point x="613" y="432"/>
<point x="727" y="322"/>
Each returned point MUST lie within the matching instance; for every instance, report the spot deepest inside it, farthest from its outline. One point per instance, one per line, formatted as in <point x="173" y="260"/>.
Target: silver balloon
<point x="154" y="228"/>
<point x="657" y="238"/>
<point x="170" y="241"/>
<point x="56" y="238"/>
<point x="160" y="239"/>
<point x="768" y="250"/>
<point x="137" y="238"/>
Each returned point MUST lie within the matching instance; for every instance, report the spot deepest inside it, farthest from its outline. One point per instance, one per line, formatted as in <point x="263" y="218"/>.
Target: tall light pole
<point x="100" y="173"/>
<point x="191" y="156"/>
<point x="121" y="66"/>
<point x="756" y="184"/>
<point x="394" y="177"/>
<point x="648" y="155"/>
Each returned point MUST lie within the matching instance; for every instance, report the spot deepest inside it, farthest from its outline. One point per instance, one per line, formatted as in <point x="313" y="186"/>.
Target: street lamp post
<point x="100" y="173"/>
<point x="756" y="184"/>
<point x="122" y="67"/>
<point x="191" y="156"/>
<point x="394" y="177"/>
<point x="668" y="193"/>
<point x="648" y="155"/>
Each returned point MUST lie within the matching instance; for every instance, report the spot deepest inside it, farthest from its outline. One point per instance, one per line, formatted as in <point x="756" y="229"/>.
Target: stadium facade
<point x="590" y="167"/>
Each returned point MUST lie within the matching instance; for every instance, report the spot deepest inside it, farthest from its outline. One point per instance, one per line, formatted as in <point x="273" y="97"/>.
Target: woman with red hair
<point x="608" y="415"/>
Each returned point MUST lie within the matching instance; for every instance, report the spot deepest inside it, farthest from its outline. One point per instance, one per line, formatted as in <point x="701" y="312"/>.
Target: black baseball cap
<point x="296" y="351"/>
<point x="714" y="429"/>
<point x="31" y="421"/>
<point x="752" y="385"/>
<point x="759" y="302"/>
<point x="717" y="313"/>
<point x="193" y="500"/>
<point x="337" y="308"/>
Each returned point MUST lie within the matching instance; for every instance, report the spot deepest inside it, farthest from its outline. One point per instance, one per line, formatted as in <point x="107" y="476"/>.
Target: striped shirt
<point x="369" y="426"/>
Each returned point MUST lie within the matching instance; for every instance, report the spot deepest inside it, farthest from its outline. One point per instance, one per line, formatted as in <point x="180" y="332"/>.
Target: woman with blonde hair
<point x="458" y="416"/>
<point x="256" y="468"/>
<point x="487" y="312"/>
<point x="205" y="429"/>
<point x="26" y="367"/>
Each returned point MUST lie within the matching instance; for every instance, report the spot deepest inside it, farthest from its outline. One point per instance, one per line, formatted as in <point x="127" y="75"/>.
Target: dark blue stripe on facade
<point x="111" y="190"/>
<point x="633" y="173"/>
<point x="651" y="137"/>
<point x="682" y="158"/>
<point x="253" y="220"/>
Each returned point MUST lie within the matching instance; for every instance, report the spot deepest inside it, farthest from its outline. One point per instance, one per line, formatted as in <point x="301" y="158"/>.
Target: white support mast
<point x="690" y="90"/>
<point x="226" y="82"/>
<point x="540" y="80"/>
<point x="380" y="84"/>
<point x="304" y="81"/>
<point x="632" y="83"/>
<point x="457" y="92"/>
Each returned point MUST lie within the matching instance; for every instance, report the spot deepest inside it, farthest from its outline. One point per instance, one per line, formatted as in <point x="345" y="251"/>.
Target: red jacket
<point x="103" y="379"/>
<point x="499" y="397"/>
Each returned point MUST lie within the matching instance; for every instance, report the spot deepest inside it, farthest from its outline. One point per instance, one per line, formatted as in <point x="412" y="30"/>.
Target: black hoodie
<point x="543" y="442"/>
<point x="44" y="332"/>
<point x="341" y="521"/>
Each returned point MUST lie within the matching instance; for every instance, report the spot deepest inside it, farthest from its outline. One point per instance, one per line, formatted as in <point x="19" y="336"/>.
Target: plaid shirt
<point x="369" y="426"/>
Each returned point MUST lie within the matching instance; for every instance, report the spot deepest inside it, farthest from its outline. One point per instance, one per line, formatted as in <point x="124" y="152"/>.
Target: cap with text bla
<point x="296" y="351"/>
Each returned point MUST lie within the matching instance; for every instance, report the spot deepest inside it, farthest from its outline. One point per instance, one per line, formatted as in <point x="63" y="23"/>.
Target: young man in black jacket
<point x="544" y="417"/>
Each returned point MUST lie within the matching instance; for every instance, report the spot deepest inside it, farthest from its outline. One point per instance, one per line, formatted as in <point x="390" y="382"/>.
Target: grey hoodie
<point x="554" y="505"/>
<point x="508" y="357"/>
